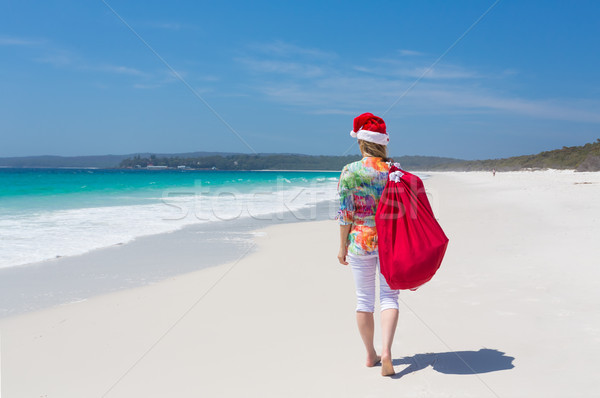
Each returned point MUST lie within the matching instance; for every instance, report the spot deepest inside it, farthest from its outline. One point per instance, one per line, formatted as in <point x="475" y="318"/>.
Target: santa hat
<point x="369" y="127"/>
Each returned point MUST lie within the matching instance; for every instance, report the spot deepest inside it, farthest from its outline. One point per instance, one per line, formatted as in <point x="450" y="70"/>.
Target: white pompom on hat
<point x="369" y="127"/>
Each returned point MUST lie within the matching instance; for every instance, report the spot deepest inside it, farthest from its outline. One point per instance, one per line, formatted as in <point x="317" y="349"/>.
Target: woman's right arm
<point x="346" y="213"/>
<point x="344" y="231"/>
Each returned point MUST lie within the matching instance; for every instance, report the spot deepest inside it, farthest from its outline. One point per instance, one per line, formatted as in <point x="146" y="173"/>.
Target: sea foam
<point x="27" y="237"/>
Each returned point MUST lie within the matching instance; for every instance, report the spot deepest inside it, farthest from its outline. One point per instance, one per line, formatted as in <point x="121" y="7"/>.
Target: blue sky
<point x="290" y="76"/>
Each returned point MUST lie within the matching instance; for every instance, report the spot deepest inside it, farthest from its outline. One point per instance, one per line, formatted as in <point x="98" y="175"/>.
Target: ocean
<point x="51" y="213"/>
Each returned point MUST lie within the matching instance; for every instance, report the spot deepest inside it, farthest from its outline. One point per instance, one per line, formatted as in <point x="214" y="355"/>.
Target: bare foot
<point x="373" y="360"/>
<point x="387" y="368"/>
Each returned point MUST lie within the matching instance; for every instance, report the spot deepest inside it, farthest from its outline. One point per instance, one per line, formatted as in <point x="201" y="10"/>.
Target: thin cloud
<point x="394" y="68"/>
<point x="65" y="59"/>
<point x="61" y="58"/>
<point x="208" y="78"/>
<point x="334" y="111"/>
<point x="295" y="69"/>
<point x="576" y="110"/>
<point x="19" y="41"/>
<point x="169" y="25"/>
<point x="174" y="76"/>
<point x="122" y="70"/>
<point x="283" y="49"/>
<point x="510" y="72"/>
<point x="448" y="89"/>
<point x="439" y="73"/>
<point x="146" y="86"/>
<point x="410" y="53"/>
<point x="165" y="77"/>
<point x="297" y="77"/>
<point x="58" y="59"/>
<point x="286" y="60"/>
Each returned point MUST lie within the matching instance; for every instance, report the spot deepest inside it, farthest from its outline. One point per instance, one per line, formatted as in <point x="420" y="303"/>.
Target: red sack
<point x="410" y="240"/>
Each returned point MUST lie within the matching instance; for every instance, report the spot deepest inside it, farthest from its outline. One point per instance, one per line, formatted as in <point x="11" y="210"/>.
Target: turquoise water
<point x="45" y="213"/>
<point x="42" y="189"/>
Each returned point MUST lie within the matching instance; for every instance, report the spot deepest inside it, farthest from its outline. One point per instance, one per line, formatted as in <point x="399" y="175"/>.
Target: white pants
<point x="364" y="269"/>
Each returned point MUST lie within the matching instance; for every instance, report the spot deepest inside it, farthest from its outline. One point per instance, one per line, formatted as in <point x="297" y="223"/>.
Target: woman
<point x="360" y="187"/>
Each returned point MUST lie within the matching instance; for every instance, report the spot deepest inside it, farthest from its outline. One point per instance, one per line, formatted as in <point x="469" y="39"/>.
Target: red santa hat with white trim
<point x="369" y="127"/>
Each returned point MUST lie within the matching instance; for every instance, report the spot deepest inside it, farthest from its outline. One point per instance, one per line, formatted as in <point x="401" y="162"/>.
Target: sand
<point x="512" y="312"/>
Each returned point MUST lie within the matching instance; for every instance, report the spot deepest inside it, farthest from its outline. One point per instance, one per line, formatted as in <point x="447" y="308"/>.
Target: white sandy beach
<point x="512" y="312"/>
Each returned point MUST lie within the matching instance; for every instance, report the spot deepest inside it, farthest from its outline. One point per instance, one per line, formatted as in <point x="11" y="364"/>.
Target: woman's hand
<point x="342" y="255"/>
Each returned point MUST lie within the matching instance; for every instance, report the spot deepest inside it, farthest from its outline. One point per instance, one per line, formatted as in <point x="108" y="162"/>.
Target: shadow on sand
<point x="456" y="362"/>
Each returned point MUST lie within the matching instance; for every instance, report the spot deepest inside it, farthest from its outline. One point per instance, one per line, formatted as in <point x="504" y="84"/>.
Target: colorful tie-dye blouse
<point x="360" y="187"/>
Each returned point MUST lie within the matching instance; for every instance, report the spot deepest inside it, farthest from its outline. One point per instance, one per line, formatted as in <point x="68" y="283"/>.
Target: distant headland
<point x="581" y="158"/>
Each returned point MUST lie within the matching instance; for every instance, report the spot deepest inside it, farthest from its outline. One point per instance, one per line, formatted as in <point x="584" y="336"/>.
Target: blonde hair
<point x="373" y="149"/>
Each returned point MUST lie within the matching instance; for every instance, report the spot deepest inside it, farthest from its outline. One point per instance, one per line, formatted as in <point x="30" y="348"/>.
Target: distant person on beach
<point x="494" y="172"/>
<point x="360" y="187"/>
